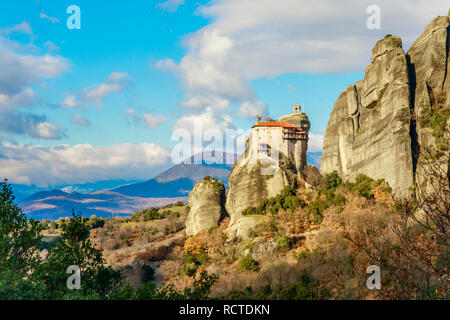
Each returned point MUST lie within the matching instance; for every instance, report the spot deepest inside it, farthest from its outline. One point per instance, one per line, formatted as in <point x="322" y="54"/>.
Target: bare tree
<point x="412" y="246"/>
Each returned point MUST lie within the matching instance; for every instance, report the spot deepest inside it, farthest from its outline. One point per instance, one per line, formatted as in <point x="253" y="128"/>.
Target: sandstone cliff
<point x="250" y="184"/>
<point x="207" y="201"/>
<point x="372" y="127"/>
<point x="301" y="121"/>
<point x="430" y="90"/>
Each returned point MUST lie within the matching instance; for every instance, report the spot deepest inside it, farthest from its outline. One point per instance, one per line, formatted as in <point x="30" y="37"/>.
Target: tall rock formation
<point x="430" y="89"/>
<point x="371" y="129"/>
<point x="207" y="202"/>
<point x="300" y="120"/>
<point x="249" y="186"/>
<point x="259" y="173"/>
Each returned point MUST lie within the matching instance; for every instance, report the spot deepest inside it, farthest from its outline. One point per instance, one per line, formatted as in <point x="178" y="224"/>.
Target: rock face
<point x="249" y="185"/>
<point x="207" y="202"/>
<point x="300" y="120"/>
<point x="258" y="174"/>
<point x="370" y="130"/>
<point x="430" y="90"/>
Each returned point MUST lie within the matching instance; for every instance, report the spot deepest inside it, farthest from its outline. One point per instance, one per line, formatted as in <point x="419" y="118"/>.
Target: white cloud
<point x="51" y="47"/>
<point x="79" y="120"/>
<point x="13" y="122"/>
<point x="252" y="109"/>
<point x="166" y="65"/>
<point x="19" y="70"/>
<point x="198" y="133"/>
<point x="21" y="67"/>
<point x="102" y="90"/>
<point x="23" y="27"/>
<point x="49" y="166"/>
<point x="42" y="15"/>
<point x="151" y="120"/>
<point x="47" y="130"/>
<point x="116" y="76"/>
<point x="116" y="82"/>
<point x="23" y="98"/>
<point x="170" y="5"/>
<point x="315" y="142"/>
<point x="206" y="120"/>
<point x="71" y="102"/>
<point x="249" y="40"/>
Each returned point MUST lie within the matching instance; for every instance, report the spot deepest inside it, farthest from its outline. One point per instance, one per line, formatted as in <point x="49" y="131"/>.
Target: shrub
<point x="202" y="258"/>
<point x="188" y="269"/>
<point x="316" y="208"/>
<point x="95" y="222"/>
<point x="147" y="215"/>
<point x="332" y="180"/>
<point x="178" y="204"/>
<point x="196" y="254"/>
<point x="248" y="263"/>
<point x="287" y="199"/>
<point x="149" y="273"/>
<point x="284" y="242"/>
<point x="363" y="186"/>
<point x="194" y="246"/>
<point x="306" y="288"/>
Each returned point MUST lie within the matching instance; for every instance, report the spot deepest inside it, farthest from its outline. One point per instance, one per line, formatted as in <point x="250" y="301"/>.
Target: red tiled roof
<point x="274" y="124"/>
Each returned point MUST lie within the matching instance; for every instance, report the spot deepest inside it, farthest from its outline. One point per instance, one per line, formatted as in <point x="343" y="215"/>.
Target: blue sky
<point x="110" y="94"/>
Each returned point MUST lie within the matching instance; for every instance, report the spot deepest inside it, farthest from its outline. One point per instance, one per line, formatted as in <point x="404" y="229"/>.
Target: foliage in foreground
<point x="287" y="199"/>
<point x="24" y="275"/>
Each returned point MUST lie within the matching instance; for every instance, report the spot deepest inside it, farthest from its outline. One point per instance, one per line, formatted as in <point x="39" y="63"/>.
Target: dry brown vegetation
<point x="319" y="249"/>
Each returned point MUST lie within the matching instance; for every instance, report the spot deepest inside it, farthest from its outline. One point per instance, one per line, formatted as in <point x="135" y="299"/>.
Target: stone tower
<point x="301" y="121"/>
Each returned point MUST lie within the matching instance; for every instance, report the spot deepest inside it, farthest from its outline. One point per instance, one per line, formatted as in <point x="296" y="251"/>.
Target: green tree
<point x="19" y="249"/>
<point x="75" y="248"/>
<point x="332" y="180"/>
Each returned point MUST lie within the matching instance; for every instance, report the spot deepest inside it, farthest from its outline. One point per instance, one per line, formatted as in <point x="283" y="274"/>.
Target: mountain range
<point x="122" y="198"/>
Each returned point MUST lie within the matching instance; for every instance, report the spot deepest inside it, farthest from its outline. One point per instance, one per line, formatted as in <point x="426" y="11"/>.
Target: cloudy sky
<point x="102" y="102"/>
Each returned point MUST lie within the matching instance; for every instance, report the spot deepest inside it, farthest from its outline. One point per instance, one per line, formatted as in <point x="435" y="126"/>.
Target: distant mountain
<point x="176" y="181"/>
<point x="22" y="191"/>
<point x="95" y="186"/>
<point x="181" y="178"/>
<point x="44" y="194"/>
<point x="153" y="188"/>
<point x="170" y="186"/>
<point x="19" y="196"/>
<point x="55" y="204"/>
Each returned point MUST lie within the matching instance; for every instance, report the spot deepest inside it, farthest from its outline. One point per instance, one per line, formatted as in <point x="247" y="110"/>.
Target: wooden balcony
<point x="294" y="136"/>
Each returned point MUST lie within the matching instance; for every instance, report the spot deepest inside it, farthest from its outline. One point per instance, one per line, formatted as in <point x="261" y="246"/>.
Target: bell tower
<point x="297" y="109"/>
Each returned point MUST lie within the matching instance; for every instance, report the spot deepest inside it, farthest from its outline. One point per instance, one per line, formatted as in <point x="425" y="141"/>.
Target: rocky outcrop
<point x="371" y="129"/>
<point x="430" y="88"/>
<point x="252" y="181"/>
<point x="207" y="202"/>
<point x="300" y="120"/>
